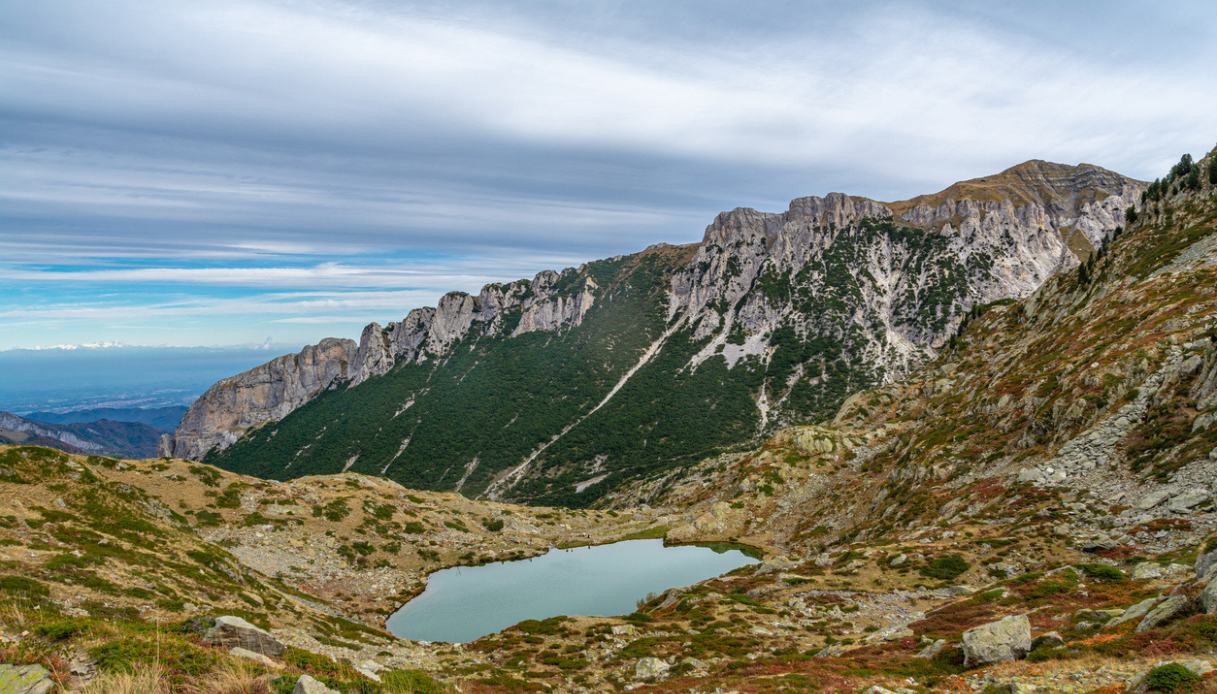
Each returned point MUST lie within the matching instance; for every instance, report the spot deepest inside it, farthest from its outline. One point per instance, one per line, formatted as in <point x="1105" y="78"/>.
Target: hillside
<point x="559" y="389"/>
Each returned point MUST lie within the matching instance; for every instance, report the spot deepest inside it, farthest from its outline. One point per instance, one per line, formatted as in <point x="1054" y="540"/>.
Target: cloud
<point x="272" y="145"/>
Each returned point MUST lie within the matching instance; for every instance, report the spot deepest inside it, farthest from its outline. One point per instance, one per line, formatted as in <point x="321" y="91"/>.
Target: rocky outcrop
<point x="1005" y="639"/>
<point x="265" y="393"/>
<point x="234" y="632"/>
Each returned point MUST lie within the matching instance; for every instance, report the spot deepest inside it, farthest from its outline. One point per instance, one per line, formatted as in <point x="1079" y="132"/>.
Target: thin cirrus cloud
<point x="202" y="160"/>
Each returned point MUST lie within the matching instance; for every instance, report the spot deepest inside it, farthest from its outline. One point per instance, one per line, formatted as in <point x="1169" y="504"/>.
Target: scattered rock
<point x="234" y="631"/>
<point x="1205" y="563"/>
<point x="369" y="669"/>
<point x="650" y="669"/>
<point x="932" y="649"/>
<point x="1170" y="608"/>
<point x="1189" y="500"/>
<point x="1049" y="639"/>
<point x="1208" y="597"/>
<point x="1136" y="611"/>
<point x="1146" y="571"/>
<point x="25" y="679"/>
<point x="256" y="657"/>
<point x="898" y="560"/>
<point x="1006" y="639"/>
<point x="307" y="685"/>
<point x="1153" y="499"/>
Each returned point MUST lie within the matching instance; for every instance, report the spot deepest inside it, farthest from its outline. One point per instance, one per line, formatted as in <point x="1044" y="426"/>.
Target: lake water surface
<point x="464" y="603"/>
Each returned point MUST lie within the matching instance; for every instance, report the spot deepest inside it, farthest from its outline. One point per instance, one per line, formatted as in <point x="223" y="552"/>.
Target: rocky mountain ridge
<point x="793" y="311"/>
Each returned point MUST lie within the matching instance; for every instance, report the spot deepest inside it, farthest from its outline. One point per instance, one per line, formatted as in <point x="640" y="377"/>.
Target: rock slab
<point x="1006" y="639"/>
<point x="236" y="632"/>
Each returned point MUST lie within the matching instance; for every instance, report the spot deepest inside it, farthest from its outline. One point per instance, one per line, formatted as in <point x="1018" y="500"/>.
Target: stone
<point x="1136" y="611"/>
<point x="25" y="679"/>
<point x="1208" y="597"/>
<point x="898" y="560"/>
<point x="307" y="685"/>
<point x="1189" y="499"/>
<point x="650" y="668"/>
<point x="234" y="631"/>
<point x="369" y="669"/>
<point x="932" y="649"/>
<point x="1146" y="571"/>
<point x="1008" y="638"/>
<point x="256" y="657"/>
<point x="1049" y="639"/>
<point x="1205" y="563"/>
<point x="1171" y="608"/>
<point x="1153" y="499"/>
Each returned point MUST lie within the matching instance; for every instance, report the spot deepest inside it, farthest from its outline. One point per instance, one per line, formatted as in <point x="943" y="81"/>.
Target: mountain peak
<point x="1034" y="181"/>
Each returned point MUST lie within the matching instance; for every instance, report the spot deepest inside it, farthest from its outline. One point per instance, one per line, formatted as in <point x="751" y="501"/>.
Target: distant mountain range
<point x="102" y="437"/>
<point x="560" y="389"/>
<point x="163" y="419"/>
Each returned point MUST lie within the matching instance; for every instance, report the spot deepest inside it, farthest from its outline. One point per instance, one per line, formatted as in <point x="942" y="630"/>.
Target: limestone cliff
<point x="263" y="394"/>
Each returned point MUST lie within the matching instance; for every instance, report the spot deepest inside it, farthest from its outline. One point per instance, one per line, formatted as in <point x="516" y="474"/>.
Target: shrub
<point x="20" y="585"/>
<point x="946" y="568"/>
<point x="1103" y="572"/>
<point x="61" y="629"/>
<point x="494" y="525"/>
<point x="1171" y="677"/>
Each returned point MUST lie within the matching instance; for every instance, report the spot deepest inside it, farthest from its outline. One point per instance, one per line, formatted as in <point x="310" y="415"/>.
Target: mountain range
<point x="560" y="388"/>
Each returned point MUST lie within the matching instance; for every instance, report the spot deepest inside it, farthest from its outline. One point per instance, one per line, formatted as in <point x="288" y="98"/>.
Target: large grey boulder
<point x="1136" y="611"/>
<point x="1208" y="597"/>
<point x="1171" y="608"/>
<point x="307" y="685"/>
<point x="1006" y="639"/>
<point x="650" y="669"/>
<point x="1205" y="563"/>
<point x="25" y="679"/>
<point x="232" y="632"/>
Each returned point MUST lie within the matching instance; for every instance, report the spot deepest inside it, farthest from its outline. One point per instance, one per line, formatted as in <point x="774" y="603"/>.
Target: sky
<point x="222" y="173"/>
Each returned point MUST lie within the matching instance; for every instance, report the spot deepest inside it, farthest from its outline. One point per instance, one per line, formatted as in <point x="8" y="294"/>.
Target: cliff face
<point x="774" y="318"/>
<point x="265" y="393"/>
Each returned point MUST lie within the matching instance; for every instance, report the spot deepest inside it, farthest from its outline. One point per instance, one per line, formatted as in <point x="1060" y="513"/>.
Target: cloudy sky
<point x="205" y="173"/>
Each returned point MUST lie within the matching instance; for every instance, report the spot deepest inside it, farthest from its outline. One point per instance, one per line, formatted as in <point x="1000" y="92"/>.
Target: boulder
<point x="650" y="669"/>
<point x="1006" y="639"/>
<point x="307" y="685"/>
<point x="1136" y="611"/>
<point x="1205" y="563"/>
<point x="1146" y="571"/>
<point x="256" y="657"/>
<point x="1049" y="639"/>
<point x="1208" y="597"/>
<point x="1171" y="608"/>
<point x="931" y="649"/>
<point x="234" y="631"/>
<point x="1188" y="500"/>
<point x="25" y="679"/>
